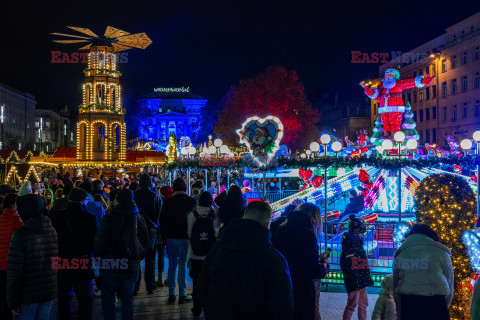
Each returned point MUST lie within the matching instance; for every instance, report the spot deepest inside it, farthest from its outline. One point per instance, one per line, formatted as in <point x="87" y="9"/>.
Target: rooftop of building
<point x="180" y="93"/>
<point x="19" y="92"/>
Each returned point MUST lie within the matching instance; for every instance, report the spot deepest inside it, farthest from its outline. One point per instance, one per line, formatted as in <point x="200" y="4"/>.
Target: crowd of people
<point x="87" y="236"/>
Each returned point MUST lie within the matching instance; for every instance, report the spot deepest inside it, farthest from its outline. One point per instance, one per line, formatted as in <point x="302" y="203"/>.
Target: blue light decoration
<point x="168" y="111"/>
<point x="471" y="239"/>
<point x="399" y="233"/>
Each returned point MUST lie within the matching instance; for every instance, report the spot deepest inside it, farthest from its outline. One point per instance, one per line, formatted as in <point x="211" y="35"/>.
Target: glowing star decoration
<point x="262" y="137"/>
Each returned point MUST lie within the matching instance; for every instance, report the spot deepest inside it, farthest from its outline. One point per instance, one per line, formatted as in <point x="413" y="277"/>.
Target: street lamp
<point x="387" y="145"/>
<point x="217" y="143"/>
<point x="466" y="145"/>
<point x="399" y="138"/>
<point x="412" y="144"/>
<point x="303" y="155"/>
<point x="336" y="147"/>
<point x="315" y="147"/>
<point x="476" y="138"/>
<point x="308" y="153"/>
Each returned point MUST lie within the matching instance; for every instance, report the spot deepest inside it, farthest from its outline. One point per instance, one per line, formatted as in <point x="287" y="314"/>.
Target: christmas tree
<point x="172" y="148"/>
<point x="446" y="203"/>
<point x="409" y="124"/>
<point x="378" y="129"/>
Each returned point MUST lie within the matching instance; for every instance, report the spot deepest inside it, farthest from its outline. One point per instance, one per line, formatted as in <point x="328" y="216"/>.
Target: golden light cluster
<point x="446" y="203"/>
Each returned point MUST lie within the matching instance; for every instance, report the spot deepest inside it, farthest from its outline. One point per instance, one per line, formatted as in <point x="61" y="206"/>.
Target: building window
<point x="464" y="57"/>
<point x="427" y="114"/>
<point x="434" y="135"/>
<point x="477" y="53"/>
<point x="476" y="80"/>
<point x="414" y="74"/>
<point x="464" y="84"/>
<point x="433" y="69"/>
<point x="415" y="115"/>
<point x="427" y="93"/>
<point x="476" y="108"/>
<point x="421" y="95"/>
<point x="409" y="97"/>
<point x="420" y="72"/>
<point x="444" y="65"/>
<point x="454" y="112"/>
<point x="163" y="125"/>
<point x="427" y="70"/>
<point x="414" y="96"/>
<point x="454" y="86"/>
<point x="453" y="61"/>
<point x="420" y="113"/>
<point x="444" y="113"/>
<point x="420" y="134"/>
<point x="434" y="92"/>
<point x="427" y="136"/>
<point x="434" y="112"/>
<point x="444" y="89"/>
<point x="465" y="110"/>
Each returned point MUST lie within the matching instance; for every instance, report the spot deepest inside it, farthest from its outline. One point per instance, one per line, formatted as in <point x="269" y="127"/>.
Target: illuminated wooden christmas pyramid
<point x="101" y="130"/>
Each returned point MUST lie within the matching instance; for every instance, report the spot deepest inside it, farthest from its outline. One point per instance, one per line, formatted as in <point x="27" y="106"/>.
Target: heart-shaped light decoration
<point x="262" y="137"/>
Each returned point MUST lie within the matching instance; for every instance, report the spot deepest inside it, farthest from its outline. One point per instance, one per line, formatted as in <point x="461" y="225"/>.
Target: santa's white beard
<point x="389" y="83"/>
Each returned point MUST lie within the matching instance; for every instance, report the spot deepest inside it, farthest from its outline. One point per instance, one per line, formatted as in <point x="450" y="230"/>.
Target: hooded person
<point x="76" y="229"/>
<point x="423" y="290"/>
<point x="385" y="306"/>
<point x="122" y="235"/>
<point x="31" y="279"/>
<point x="355" y="268"/>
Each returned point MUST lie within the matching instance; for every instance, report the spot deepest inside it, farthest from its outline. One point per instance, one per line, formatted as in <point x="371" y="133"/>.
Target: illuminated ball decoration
<point x="399" y="136"/>
<point x="217" y="143"/>
<point x="446" y="203"/>
<point x="387" y="144"/>
<point x="336" y="146"/>
<point x="412" y="144"/>
<point x="315" y="146"/>
<point x="325" y="139"/>
<point x="466" y="144"/>
<point x="476" y="136"/>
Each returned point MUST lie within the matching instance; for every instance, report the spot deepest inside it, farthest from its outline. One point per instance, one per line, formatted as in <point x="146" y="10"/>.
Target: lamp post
<point x="315" y="148"/>
<point x="325" y="140"/>
<point x="476" y="138"/>
<point x="218" y="144"/>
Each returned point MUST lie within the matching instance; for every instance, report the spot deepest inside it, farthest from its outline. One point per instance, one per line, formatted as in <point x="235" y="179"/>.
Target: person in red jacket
<point x="389" y="96"/>
<point x="9" y="222"/>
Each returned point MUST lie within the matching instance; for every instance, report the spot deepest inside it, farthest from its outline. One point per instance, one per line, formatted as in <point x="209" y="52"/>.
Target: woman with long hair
<point x="296" y="239"/>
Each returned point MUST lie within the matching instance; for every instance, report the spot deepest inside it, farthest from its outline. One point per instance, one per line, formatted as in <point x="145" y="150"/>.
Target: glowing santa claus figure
<point x="260" y="141"/>
<point x="389" y="96"/>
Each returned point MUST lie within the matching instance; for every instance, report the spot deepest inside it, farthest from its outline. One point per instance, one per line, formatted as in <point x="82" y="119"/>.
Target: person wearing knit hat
<point x="76" y="229"/>
<point x="355" y="268"/>
<point x="32" y="281"/>
<point x="166" y="192"/>
<point x="26" y="188"/>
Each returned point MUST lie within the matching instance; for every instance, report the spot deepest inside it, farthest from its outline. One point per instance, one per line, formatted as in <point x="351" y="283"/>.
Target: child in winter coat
<point x="385" y="306"/>
<point x="355" y="268"/>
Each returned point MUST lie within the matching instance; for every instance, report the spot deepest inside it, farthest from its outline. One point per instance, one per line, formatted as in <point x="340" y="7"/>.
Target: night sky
<point x="211" y="45"/>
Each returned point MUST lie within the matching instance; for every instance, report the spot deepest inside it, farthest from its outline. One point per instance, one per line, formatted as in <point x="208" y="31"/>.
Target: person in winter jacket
<point x="203" y="211"/>
<point x="355" y="206"/>
<point x="173" y="226"/>
<point x="149" y="205"/>
<point x="243" y="277"/>
<point x="275" y="225"/>
<point x="423" y="276"/>
<point x="124" y="218"/>
<point x="296" y="240"/>
<point x="355" y="268"/>
<point x="385" y="306"/>
<point x="165" y="193"/>
<point x="233" y="207"/>
<point x="31" y="278"/>
<point x="9" y="222"/>
<point x="92" y="206"/>
<point x="76" y="228"/>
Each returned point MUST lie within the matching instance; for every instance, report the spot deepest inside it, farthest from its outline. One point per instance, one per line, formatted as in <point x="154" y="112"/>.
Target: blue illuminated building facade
<point x="170" y="111"/>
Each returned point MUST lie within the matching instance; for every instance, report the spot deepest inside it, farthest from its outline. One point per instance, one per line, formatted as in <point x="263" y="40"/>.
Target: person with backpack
<point x="173" y="226"/>
<point x="122" y="235"/>
<point x="202" y="234"/>
<point x="149" y="205"/>
<point x="76" y="229"/>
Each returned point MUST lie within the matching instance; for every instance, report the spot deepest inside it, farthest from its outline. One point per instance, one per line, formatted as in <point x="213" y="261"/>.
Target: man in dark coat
<point x="76" y="229"/>
<point x="243" y="277"/>
<point x="173" y="226"/>
<point x="31" y="280"/>
<point x="296" y="240"/>
<point x="124" y="217"/>
<point x="355" y="268"/>
<point x="149" y="205"/>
